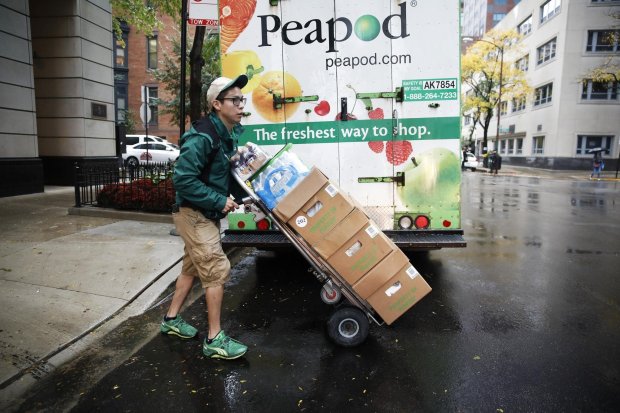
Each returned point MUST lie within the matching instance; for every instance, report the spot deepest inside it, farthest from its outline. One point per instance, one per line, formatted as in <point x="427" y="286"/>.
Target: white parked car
<point x="131" y="140"/>
<point x="471" y="162"/>
<point x="157" y="152"/>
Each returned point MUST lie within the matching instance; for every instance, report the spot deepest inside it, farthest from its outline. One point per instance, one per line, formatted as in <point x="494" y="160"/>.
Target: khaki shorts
<point x="203" y="254"/>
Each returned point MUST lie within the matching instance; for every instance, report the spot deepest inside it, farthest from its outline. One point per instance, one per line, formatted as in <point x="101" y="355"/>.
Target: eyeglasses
<point x="236" y="100"/>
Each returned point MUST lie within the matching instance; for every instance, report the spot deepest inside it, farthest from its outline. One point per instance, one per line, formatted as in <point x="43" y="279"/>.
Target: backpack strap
<point x="204" y="125"/>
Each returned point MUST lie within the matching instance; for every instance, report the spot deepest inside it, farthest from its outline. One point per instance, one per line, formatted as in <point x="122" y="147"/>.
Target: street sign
<point x="148" y="113"/>
<point x="203" y="13"/>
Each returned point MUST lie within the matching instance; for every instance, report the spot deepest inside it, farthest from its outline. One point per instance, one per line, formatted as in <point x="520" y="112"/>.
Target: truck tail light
<point x="263" y="224"/>
<point x="421" y="222"/>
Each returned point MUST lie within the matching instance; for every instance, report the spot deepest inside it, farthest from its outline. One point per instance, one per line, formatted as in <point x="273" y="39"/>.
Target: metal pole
<point x="183" y="67"/>
<point x="146" y="122"/>
<point x="499" y="95"/>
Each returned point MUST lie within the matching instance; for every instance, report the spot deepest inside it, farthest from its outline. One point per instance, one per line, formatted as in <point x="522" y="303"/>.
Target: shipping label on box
<point x="341" y="233"/>
<point x="361" y="253"/>
<point x="380" y="274"/>
<point x="399" y="294"/>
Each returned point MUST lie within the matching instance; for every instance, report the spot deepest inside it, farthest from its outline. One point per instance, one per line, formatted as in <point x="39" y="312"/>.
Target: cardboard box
<point x="399" y="294"/>
<point x="314" y="207"/>
<point x="380" y="274"/>
<point x="361" y="253"/>
<point x="341" y="233"/>
<point x="299" y="195"/>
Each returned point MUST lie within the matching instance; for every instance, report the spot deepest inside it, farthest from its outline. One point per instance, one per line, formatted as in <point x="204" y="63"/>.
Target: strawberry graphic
<point x="376" y="146"/>
<point x="376" y="113"/>
<point x="398" y="152"/>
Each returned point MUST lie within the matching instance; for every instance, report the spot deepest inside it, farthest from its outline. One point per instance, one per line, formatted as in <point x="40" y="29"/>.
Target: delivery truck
<point x="366" y="90"/>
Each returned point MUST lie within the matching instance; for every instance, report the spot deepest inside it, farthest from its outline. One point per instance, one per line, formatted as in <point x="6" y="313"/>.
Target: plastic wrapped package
<point x="280" y="175"/>
<point x="248" y="160"/>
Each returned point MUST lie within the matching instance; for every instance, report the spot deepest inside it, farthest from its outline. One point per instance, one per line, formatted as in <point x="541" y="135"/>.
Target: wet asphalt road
<point x="525" y="319"/>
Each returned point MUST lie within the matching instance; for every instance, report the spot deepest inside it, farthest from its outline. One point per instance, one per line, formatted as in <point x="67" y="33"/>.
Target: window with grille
<point x="518" y="104"/>
<point x="549" y="9"/>
<point x="538" y="145"/>
<point x="151" y="52"/>
<point x="525" y="27"/>
<point x="585" y="144"/>
<point x="543" y="94"/>
<point x="523" y="64"/>
<point x="604" y="41"/>
<point x="503" y="108"/>
<point x="592" y="90"/>
<point x="546" y="52"/>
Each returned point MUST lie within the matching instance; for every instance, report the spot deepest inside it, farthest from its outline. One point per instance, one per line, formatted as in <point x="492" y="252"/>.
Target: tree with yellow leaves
<point x="609" y="71"/>
<point x="491" y="76"/>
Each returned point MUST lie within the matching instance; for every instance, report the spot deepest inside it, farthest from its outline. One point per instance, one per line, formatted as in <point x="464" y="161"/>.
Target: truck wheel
<point x="329" y="294"/>
<point x="348" y="326"/>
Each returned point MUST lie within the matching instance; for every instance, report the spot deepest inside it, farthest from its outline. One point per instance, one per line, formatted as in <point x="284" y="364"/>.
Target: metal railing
<point x="144" y="188"/>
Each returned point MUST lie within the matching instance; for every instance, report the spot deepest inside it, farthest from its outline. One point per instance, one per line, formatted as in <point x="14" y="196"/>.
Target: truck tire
<point x="348" y="326"/>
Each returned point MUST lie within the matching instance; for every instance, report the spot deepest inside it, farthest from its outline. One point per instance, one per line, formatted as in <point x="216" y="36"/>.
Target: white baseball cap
<point x="221" y="84"/>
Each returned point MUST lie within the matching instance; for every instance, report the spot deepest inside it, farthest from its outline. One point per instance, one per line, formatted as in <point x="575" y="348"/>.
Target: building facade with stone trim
<point x="56" y="91"/>
<point x="567" y="114"/>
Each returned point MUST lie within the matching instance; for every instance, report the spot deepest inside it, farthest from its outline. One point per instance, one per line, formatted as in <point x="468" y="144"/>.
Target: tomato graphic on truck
<point x="366" y="90"/>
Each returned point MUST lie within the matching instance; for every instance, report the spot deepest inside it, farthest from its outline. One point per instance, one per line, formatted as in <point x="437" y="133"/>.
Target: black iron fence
<point x="144" y="188"/>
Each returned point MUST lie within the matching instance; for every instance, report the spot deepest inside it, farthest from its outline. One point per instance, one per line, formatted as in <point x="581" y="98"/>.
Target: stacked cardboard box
<point x="337" y="228"/>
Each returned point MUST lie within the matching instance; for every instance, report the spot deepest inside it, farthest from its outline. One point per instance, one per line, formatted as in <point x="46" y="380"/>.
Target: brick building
<point x="133" y="69"/>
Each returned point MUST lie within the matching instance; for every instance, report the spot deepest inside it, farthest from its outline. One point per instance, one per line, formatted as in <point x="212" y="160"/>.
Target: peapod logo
<point x="366" y="28"/>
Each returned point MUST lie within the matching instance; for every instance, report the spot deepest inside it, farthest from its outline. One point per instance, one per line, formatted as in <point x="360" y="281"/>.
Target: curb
<point x="97" y="212"/>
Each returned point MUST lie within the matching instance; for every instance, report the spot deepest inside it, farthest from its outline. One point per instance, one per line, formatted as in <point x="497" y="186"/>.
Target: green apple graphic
<point x="432" y="186"/>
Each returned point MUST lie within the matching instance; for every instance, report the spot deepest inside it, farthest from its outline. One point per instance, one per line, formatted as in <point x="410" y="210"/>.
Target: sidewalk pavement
<point x="70" y="275"/>
<point x="65" y="280"/>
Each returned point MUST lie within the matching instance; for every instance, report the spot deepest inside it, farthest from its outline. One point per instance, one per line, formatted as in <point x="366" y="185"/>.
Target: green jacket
<point x="195" y="150"/>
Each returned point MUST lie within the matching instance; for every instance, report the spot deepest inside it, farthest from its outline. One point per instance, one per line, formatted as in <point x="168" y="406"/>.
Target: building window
<point x="151" y="52"/>
<point x="585" y="143"/>
<point x="546" y="52"/>
<point x="120" y="48"/>
<point x="503" y="108"/>
<point x="603" y="41"/>
<point x="519" y="146"/>
<point x="538" y="145"/>
<point x="497" y="17"/>
<point x="543" y="94"/>
<point x="502" y="146"/>
<point x="120" y="90"/>
<point x="526" y="26"/>
<point x="599" y="90"/>
<point x="518" y="104"/>
<point x="152" y="99"/>
<point x="511" y="146"/>
<point x="549" y="9"/>
<point x="523" y="64"/>
<point x="467" y="119"/>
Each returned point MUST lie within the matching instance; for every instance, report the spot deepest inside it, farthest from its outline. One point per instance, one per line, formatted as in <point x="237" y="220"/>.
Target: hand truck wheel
<point x="330" y="294"/>
<point x="348" y="326"/>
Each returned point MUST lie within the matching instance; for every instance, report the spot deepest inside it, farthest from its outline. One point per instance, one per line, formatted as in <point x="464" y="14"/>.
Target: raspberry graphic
<point x="398" y="152"/>
<point x="376" y="113"/>
<point x="376" y="146"/>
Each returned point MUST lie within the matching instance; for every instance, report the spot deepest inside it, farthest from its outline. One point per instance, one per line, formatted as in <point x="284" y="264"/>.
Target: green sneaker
<point x="223" y="347"/>
<point x="178" y="327"/>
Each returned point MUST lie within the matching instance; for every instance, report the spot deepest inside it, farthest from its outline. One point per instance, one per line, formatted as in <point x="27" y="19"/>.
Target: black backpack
<point x="204" y="125"/>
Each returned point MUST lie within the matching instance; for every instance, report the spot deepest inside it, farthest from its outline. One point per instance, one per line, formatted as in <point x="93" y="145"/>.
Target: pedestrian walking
<point x="203" y="183"/>
<point x="597" y="165"/>
<point x="495" y="162"/>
